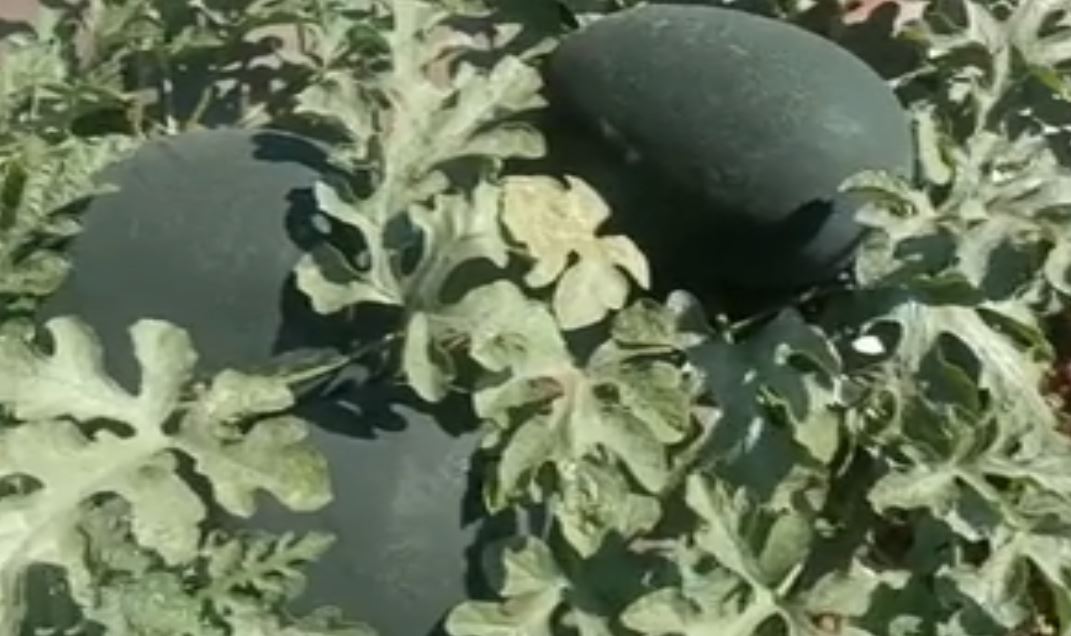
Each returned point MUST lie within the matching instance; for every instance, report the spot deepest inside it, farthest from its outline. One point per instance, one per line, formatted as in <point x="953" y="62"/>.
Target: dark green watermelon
<point x="735" y="131"/>
<point x="204" y="232"/>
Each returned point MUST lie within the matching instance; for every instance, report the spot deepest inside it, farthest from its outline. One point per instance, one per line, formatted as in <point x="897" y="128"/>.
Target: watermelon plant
<point x="885" y="456"/>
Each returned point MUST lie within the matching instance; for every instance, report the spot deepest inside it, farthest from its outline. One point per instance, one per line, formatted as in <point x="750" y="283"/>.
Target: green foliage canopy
<point x="891" y="465"/>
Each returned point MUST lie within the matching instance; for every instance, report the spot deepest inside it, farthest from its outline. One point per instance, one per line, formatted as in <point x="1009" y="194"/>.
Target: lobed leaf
<point x="70" y="466"/>
<point x="556" y="222"/>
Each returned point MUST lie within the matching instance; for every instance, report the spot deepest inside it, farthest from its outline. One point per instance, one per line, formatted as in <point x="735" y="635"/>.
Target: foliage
<point x="892" y="464"/>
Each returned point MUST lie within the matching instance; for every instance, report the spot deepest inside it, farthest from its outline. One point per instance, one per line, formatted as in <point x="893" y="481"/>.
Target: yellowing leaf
<point x="556" y="222"/>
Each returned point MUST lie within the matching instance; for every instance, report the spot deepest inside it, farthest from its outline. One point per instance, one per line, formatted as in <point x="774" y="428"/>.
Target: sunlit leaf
<point x="556" y="222"/>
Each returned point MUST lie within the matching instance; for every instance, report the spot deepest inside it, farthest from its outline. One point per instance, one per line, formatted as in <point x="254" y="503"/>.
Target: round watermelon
<point x="204" y="232"/>
<point x="728" y="135"/>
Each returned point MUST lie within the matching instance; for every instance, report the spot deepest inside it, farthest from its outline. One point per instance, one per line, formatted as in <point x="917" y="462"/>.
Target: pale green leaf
<point x="532" y="588"/>
<point x="155" y="603"/>
<point x="527" y="615"/>
<point x="890" y="190"/>
<point x="646" y="323"/>
<point x="995" y="590"/>
<point x="592" y="425"/>
<point x="73" y="467"/>
<point x="786" y="546"/>
<point x="40" y="180"/>
<point x="656" y="394"/>
<point x="440" y="110"/>
<point x="270" y="565"/>
<point x="138" y="466"/>
<point x="328" y="296"/>
<point x="586" y="292"/>
<point x="72" y="382"/>
<point x="1009" y="375"/>
<point x="507" y="329"/>
<point x="589" y="624"/>
<point x="724" y="516"/>
<point x="455" y="230"/>
<point x="820" y="432"/>
<point x="933" y="487"/>
<point x="233" y="395"/>
<point x="1026" y="25"/>
<point x="252" y="619"/>
<point x="528" y="449"/>
<point x="556" y="222"/>
<point x="274" y="455"/>
<point x="709" y="603"/>
<point x="426" y="367"/>
<point x="664" y="611"/>
<point x="595" y="500"/>
<point x="1058" y="268"/>
<point x="850" y="592"/>
<point x="338" y="99"/>
<point x="376" y="284"/>
<point x="930" y="142"/>
<point x="38" y="274"/>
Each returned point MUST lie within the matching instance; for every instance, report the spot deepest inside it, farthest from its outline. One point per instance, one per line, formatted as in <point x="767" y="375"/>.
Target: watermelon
<point x="722" y="137"/>
<point x="204" y="231"/>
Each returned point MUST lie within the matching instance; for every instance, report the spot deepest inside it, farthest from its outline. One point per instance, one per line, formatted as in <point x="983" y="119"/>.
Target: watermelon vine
<point x="895" y="461"/>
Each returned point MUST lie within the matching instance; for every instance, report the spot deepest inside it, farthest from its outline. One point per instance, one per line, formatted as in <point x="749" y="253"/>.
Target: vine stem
<point x="348" y="358"/>
<point x="993" y="496"/>
<point x="195" y="392"/>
